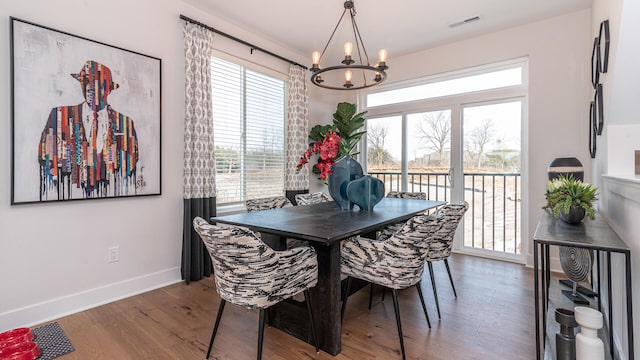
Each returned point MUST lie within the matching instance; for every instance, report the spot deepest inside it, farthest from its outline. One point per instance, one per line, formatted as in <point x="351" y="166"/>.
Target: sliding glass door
<point x="492" y="163"/>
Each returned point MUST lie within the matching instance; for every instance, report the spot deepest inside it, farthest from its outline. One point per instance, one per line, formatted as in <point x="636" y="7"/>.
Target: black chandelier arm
<point x="359" y="41"/>
<point x="316" y="74"/>
<point x="331" y="37"/>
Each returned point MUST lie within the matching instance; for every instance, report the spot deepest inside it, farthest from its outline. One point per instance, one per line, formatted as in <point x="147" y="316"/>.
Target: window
<point x="248" y="124"/>
<point x="458" y="85"/>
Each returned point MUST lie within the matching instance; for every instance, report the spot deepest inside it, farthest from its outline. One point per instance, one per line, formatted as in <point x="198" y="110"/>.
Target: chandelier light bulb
<point x="348" y="48"/>
<point x="347" y="76"/>
<point x="315" y="56"/>
<point x="383" y="55"/>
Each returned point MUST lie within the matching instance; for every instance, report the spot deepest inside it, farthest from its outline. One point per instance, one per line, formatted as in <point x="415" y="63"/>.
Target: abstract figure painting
<point x="106" y="143"/>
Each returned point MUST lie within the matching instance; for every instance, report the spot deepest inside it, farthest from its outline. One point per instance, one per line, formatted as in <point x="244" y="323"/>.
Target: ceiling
<point x="401" y="26"/>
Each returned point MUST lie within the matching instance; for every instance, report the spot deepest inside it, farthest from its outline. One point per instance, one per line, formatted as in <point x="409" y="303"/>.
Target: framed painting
<point x="85" y="118"/>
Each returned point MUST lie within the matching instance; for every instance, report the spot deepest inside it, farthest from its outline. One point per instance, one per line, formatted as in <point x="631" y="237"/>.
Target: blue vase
<point x="344" y="170"/>
<point x="365" y="192"/>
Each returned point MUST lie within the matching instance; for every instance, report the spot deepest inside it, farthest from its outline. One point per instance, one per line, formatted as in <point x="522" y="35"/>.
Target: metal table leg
<point x="537" y="296"/>
<point x="627" y="261"/>
<point x="609" y="298"/>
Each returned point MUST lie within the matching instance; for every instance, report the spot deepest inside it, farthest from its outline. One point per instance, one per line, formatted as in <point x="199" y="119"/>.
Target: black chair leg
<point x="370" y="295"/>
<point x="433" y="285"/>
<point x="396" y="308"/>
<point x="424" y="307"/>
<point x="215" y="327"/>
<point x="344" y="298"/>
<point x="307" y="299"/>
<point x="260" y="333"/>
<point x="446" y="263"/>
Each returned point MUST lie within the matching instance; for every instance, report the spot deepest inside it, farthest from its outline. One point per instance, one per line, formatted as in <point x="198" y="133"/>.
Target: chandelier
<point x="355" y="73"/>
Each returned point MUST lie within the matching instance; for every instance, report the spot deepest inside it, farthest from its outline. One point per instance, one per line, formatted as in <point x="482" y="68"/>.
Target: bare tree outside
<point x="376" y="136"/>
<point x="434" y="131"/>
<point x="476" y="142"/>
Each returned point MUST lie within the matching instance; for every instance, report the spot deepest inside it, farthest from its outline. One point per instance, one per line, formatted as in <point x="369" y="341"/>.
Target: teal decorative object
<point x="344" y="170"/>
<point x="365" y="192"/>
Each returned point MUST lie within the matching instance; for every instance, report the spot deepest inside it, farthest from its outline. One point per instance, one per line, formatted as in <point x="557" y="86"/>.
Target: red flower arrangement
<point x="334" y="140"/>
<point x="327" y="150"/>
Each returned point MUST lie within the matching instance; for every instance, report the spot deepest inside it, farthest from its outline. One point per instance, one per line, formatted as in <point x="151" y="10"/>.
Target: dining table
<point x="323" y="226"/>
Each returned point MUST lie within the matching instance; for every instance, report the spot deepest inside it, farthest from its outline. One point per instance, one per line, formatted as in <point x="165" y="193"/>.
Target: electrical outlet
<point x="114" y="254"/>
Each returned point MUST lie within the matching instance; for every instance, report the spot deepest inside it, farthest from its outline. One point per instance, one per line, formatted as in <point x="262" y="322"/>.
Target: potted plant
<point x="332" y="141"/>
<point x="570" y="199"/>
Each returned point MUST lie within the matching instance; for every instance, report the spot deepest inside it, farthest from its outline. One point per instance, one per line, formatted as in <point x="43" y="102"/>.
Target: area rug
<point x="52" y="341"/>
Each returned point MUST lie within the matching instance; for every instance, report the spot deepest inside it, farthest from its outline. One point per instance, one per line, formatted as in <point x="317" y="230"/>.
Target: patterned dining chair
<point x="389" y="230"/>
<point x="249" y="273"/>
<point x="440" y="245"/>
<point x="395" y="263"/>
<point x="407" y="195"/>
<point x="312" y="198"/>
<point x="267" y="203"/>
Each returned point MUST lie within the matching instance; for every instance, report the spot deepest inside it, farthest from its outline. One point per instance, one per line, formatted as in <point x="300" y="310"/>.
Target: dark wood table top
<point x="593" y="234"/>
<point x="325" y="222"/>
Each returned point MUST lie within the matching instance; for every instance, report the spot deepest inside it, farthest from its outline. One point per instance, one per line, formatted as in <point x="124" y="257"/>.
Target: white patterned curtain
<point x="199" y="189"/>
<point x="297" y="132"/>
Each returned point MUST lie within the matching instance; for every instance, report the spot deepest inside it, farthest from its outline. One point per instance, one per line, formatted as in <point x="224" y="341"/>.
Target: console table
<point x="589" y="234"/>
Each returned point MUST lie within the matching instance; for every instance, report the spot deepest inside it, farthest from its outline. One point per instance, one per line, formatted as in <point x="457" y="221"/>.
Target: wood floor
<point x="492" y="318"/>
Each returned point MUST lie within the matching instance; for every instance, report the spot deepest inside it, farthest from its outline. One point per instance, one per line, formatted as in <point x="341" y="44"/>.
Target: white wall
<point x="559" y="79"/>
<point x="53" y="257"/>
<point x="620" y="195"/>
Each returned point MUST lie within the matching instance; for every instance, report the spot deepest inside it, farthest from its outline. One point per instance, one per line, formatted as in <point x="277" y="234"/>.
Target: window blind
<point x="248" y="121"/>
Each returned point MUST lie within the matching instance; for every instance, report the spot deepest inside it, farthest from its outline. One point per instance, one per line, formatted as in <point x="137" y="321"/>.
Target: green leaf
<point x="318" y="132"/>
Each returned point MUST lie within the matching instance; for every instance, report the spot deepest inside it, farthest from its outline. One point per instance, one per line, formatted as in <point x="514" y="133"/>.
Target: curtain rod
<point x="253" y="47"/>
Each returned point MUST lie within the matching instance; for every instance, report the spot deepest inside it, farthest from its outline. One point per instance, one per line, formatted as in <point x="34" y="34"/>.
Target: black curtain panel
<point x="196" y="262"/>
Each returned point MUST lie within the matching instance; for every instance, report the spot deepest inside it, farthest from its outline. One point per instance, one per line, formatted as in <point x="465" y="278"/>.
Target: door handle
<point x="450" y="173"/>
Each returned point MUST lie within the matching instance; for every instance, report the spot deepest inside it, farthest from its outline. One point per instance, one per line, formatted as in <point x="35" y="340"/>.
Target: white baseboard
<point x="53" y="309"/>
<point x="555" y="263"/>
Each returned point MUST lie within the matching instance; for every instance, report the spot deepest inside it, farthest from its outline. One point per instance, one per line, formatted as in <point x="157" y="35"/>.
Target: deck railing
<point x="493" y="219"/>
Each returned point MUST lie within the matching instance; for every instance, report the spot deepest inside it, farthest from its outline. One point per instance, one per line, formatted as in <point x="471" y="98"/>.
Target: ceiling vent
<point x="465" y="21"/>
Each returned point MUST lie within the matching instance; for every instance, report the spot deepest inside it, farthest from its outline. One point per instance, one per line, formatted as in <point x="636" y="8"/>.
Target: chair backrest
<point x="387" y="231"/>
<point x="407" y="195"/>
<point x="402" y="260"/>
<point x="267" y="203"/>
<point x="244" y="267"/>
<point x="312" y="198"/>
<point x="449" y="216"/>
